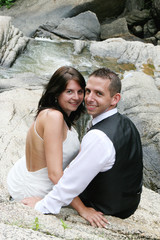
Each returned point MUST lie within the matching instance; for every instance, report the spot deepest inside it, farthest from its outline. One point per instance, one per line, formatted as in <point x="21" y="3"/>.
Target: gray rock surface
<point x="29" y="15"/>
<point x="17" y="110"/>
<point x="116" y="28"/>
<point x="156" y="11"/>
<point x="12" y="42"/>
<point x="141" y="102"/>
<point x="136" y="53"/>
<point x="83" y="26"/>
<point x="19" y="223"/>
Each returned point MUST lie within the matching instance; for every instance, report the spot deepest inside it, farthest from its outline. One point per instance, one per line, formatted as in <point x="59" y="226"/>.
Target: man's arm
<point x="95" y="218"/>
<point x="96" y="152"/>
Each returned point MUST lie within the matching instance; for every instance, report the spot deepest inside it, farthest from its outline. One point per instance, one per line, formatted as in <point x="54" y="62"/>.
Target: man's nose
<point x="89" y="96"/>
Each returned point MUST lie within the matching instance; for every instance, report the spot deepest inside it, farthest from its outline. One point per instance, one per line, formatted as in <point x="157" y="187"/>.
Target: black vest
<point x="117" y="191"/>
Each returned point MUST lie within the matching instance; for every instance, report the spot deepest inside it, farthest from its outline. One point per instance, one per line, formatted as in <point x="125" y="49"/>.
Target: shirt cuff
<point x="40" y="208"/>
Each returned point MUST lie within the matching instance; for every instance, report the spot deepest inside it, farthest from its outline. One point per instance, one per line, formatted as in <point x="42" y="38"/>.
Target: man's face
<point x="97" y="97"/>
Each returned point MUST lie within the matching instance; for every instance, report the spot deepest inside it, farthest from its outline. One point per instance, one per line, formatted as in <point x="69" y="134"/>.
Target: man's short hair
<point x="106" y="73"/>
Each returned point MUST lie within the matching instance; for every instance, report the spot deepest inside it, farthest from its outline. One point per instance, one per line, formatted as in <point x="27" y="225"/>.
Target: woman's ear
<point x="115" y="99"/>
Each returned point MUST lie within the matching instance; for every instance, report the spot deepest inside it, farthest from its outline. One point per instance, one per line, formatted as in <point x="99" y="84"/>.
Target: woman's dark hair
<point x="56" y="85"/>
<point x="115" y="82"/>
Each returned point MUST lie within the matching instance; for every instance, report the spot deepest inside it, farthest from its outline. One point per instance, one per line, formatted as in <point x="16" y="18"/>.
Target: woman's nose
<point x="76" y="96"/>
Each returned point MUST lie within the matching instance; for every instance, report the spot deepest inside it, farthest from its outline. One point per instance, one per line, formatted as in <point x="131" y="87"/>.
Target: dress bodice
<point x="71" y="147"/>
<point x="22" y="183"/>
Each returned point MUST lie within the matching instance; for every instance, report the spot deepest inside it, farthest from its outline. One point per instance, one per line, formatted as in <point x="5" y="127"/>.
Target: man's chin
<point x="90" y="112"/>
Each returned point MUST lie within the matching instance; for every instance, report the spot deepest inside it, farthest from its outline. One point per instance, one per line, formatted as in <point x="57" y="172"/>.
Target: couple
<point x="105" y="177"/>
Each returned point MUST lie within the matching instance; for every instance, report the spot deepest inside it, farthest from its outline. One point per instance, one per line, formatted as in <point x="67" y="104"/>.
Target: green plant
<point x="36" y="225"/>
<point x="7" y="3"/>
<point x="64" y="225"/>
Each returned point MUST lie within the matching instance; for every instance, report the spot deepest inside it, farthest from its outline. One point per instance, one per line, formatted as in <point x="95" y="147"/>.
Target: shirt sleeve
<point x="97" y="155"/>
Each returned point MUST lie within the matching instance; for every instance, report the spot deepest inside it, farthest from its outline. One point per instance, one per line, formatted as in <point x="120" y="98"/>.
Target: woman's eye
<point x="69" y="91"/>
<point x="80" y="92"/>
<point x="99" y="93"/>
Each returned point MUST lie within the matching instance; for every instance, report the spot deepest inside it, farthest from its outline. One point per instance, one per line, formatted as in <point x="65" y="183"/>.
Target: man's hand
<point x="31" y="201"/>
<point x="95" y="218"/>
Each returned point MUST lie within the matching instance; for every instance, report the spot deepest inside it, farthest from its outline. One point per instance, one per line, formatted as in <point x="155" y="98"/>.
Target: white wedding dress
<point x="22" y="183"/>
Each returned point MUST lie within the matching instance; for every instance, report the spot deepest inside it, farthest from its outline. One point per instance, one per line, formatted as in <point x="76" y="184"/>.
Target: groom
<point x="107" y="173"/>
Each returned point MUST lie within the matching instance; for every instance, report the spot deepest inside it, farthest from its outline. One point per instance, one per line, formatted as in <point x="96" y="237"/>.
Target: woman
<point x="51" y="142"/>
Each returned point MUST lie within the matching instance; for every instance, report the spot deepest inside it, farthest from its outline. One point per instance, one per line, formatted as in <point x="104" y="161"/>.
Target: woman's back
<point x="35" y="156"/>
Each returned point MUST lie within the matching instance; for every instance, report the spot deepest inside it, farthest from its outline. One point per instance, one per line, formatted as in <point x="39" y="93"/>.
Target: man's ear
<point x="115" y="99"/>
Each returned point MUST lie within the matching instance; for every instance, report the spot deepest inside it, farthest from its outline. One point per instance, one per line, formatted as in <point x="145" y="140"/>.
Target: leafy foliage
<point x="7" y="3"/>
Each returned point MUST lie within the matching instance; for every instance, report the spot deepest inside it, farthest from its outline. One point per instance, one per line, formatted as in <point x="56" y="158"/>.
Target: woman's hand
<point x="31" y="201"/>
<point x="95" y="218"/>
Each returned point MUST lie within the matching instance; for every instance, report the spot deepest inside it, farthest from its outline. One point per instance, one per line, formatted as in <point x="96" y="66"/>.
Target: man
<point x="107" y="173"/>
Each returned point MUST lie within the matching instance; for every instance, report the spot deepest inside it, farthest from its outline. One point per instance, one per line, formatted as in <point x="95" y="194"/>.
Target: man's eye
<point x="99" y="93"/>
<point x="87" y="91"/>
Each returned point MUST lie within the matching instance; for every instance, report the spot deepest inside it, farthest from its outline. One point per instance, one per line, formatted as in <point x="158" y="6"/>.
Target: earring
<point x="55" y="100"/>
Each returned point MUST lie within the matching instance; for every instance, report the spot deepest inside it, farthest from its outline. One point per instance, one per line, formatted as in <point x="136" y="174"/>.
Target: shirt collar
<point x="104" y="115"/>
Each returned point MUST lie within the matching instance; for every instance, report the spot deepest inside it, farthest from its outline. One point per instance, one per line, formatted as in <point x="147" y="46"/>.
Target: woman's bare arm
<point x="53" y="137"/>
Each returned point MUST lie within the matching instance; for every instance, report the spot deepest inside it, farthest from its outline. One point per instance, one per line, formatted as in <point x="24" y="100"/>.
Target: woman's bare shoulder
<point x="53" y="113"/>
<point x="52" y="116"/>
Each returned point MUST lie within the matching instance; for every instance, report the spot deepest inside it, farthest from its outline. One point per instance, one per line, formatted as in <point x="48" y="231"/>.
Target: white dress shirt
<point x="97" y="155"/>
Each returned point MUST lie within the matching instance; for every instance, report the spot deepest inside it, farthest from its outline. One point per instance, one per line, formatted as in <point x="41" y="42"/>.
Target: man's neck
<point x="104" y="115"/>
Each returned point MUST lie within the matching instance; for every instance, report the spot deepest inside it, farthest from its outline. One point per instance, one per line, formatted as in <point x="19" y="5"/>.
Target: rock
<point x="83" y="26"/>
<point x="137" y="53"/>
<point x="17" y="110"/>
<point x="156" y="11"/>
<point x="137" y="30"/>
<point x="138" y="17"/>
<point x="152" y="40"/>
<point x="102" y="8"/>
<point x="143" y="224"/>
<point x="149" y="29"/>
<point x="117" y="28"/>
<point x="79" y="46"/>
<point x="134" y="5"/>
<point x="24" y="80"/>
<point x="29" y="15"/>
<point x="144" y="112"/>
<point x="158" y="35"/>
<point x="12" y="42"/>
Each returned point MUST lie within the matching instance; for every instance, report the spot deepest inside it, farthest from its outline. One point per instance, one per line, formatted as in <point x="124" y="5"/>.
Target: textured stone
<point x="12" y="42"/>
<point x="83" y="26"/>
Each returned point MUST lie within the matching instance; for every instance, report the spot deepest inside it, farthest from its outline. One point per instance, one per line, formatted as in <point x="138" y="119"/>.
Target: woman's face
<point x="72" y="97"/>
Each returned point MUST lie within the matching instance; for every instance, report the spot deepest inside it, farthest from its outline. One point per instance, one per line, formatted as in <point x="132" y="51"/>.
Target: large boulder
<point x="12" y="42"/>
<point x="116" y="28"/>
<point x="17" y="110"/>
<point x="83" y="26"/>
<point x="102" y="8"/>
<point x="137" y="53"/>
<point x="141" y="102"/>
